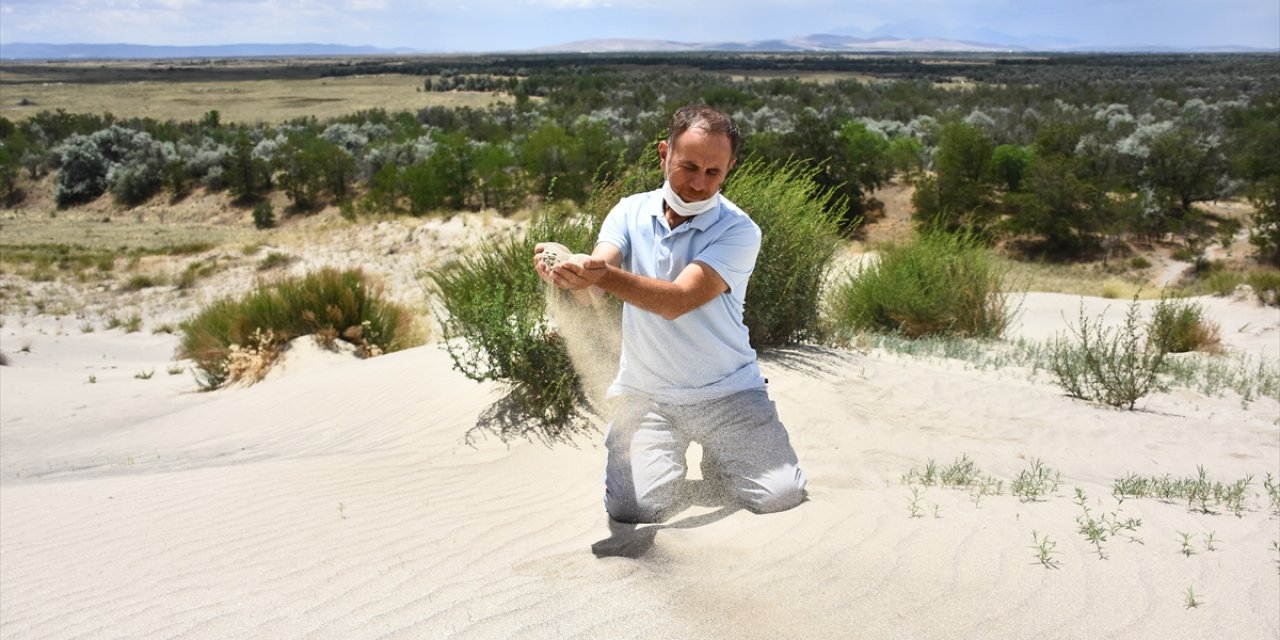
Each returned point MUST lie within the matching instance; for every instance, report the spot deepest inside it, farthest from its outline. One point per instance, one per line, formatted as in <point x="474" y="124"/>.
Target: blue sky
<point x="504" y="25"/>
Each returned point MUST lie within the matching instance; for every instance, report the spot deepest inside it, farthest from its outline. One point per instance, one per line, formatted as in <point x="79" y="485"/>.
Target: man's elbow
<point x="672" y="314"/>
<point x="677" y="309"/>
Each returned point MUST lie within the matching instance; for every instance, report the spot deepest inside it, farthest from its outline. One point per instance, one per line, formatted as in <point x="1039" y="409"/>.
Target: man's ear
<point x="663" y="148"/>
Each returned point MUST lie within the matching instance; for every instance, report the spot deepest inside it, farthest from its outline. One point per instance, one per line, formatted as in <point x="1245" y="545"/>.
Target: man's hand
<point x="556" y="264"/>
<point x="579" y="272"/>
<point x="541" y="252"/>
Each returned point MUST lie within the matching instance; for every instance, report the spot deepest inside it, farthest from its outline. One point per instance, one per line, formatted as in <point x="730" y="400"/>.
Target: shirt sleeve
<point x="733" y="256"/>
<point x="614" y="228"/>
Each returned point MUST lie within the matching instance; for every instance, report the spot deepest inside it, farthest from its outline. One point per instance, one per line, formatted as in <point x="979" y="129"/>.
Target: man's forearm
<point x="667" y="299"/>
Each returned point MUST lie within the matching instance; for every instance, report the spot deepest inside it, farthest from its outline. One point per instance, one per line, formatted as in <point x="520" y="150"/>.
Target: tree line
<point x="1067" y="154"/>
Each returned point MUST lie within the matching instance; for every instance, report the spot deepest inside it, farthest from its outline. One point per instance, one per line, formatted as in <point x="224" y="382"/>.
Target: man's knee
<point x="632" y="510"/>
<point x="777" y="490"/>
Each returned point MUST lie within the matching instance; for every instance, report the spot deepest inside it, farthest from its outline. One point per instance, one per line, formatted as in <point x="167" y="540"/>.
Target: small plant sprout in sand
<point x="1201" y="494"/>
<point x="1187" y="550"/>
<point x="913" y="504"/>
<point x="1035" y="482"/>
<point x="928" y="477"/>
<point x="175" y="369"/>
<point x="1191" y="601"/>
<point x="1209" y="542"/>
<point x="960" y="474"/>
<point x="1044" y="548"/>
<point x="1273" y="493"/>
<point x="93" y="379"/>
<point x="1098" y="529"/>
<point x="145" y="375"/>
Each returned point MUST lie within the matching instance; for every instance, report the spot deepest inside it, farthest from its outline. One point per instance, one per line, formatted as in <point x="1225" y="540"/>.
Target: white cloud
<point x="365" y="5"/>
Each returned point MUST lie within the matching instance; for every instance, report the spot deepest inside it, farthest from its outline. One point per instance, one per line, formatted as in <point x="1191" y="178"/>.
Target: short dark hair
<point x="706" y="118"/>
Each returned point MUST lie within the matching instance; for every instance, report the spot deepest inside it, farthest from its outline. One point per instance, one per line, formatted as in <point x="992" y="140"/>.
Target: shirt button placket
<point x="664" y="256"/>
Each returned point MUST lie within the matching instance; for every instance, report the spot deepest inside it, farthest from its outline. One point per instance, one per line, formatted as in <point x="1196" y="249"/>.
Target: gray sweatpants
<point x="743" y="443"/>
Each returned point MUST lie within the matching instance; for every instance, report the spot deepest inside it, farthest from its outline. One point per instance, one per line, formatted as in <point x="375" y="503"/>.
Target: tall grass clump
<point x="800" y="225"/>
<point x="940" y="284"/>
<point x="1115" y="366"/>
<point x="1265" y="282"/>
<point x="1179" y="326"/>
<point x="492" y="313"/>
<point x="238" y="338"/>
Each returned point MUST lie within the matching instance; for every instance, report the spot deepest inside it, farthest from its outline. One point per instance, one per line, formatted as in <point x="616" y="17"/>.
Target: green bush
<point x="492" y="314"/>
<point x="1179" y="326"/>
<point x="140" y="281"/>
<point x="82" y="174"/>
<point x="940" y="284"/>
<point x="1266" y="285"/>
<point x="1116" y="367"/>
<point x="238" y="338"/>
<point x="800" y="235"/>
<point x="264" y="215"/>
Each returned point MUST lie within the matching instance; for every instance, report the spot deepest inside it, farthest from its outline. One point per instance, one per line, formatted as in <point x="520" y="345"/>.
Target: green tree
<point x="959" y="195"/>
<point x="497" y="178"/>
<point x="1184" y="167"/>
<point x="544" y="155"/>
<point x="1055" y="204"/>
<point x="905" y="156"/>
<point x="246" y="177"/>
<point x="1256" y="134"/>
<point x="1009" y="163"/>
<point x="867" y="164"/>
<point x="384" y="191"/>
<point x="309" y="166"/>
<point x="12" y="145"/>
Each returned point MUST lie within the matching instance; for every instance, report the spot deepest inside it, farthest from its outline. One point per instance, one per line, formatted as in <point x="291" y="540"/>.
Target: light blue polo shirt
<point x="706" y="353"/>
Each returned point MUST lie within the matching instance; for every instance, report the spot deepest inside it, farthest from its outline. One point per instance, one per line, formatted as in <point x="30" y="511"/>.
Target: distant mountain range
<point x="29" y="51"/>
<point x="872" y="42"/>
<point x="898" y="37"/>
<point x="815" y="43"/>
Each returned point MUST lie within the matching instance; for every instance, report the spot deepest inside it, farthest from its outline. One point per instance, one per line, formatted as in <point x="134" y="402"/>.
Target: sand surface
<point x="337" y="499"/>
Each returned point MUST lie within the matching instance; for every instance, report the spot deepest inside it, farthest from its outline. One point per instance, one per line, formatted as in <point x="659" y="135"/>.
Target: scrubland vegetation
<point x="1049" y="160"/>
<point x="1061" y="156"/>
<point x="237" y="339"/>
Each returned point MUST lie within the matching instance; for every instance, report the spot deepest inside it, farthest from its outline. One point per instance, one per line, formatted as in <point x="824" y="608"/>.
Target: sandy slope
<point x="337" y="500"/>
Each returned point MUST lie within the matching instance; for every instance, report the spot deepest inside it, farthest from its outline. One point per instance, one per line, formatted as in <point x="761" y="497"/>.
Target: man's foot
<point x="625" y="540"/>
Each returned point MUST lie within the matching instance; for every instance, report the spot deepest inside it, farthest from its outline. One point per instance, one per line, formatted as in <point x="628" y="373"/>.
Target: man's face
<point x="697" y="163"/>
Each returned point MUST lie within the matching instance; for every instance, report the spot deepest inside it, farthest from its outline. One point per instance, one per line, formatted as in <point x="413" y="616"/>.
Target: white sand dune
<point x="337" y="500"/>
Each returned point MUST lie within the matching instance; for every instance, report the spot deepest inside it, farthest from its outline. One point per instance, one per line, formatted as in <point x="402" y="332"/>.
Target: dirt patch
<point x="890" y="222"/>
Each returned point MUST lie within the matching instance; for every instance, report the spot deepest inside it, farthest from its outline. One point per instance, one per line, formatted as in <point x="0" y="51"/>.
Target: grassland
<point x="251" y="93"/>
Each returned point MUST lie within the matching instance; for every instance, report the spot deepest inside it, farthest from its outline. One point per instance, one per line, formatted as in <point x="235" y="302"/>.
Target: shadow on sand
<point x="634" y="540"/>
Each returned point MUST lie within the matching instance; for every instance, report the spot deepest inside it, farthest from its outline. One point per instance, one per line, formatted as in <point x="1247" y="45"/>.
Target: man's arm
<point x="696" y="285"/>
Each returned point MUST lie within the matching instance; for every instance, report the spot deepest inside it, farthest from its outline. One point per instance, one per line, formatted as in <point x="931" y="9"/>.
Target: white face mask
<point x="688" y="209"/>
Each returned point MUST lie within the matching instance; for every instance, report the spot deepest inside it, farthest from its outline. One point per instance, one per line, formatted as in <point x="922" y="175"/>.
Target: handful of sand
<point x="554" y="253"/>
